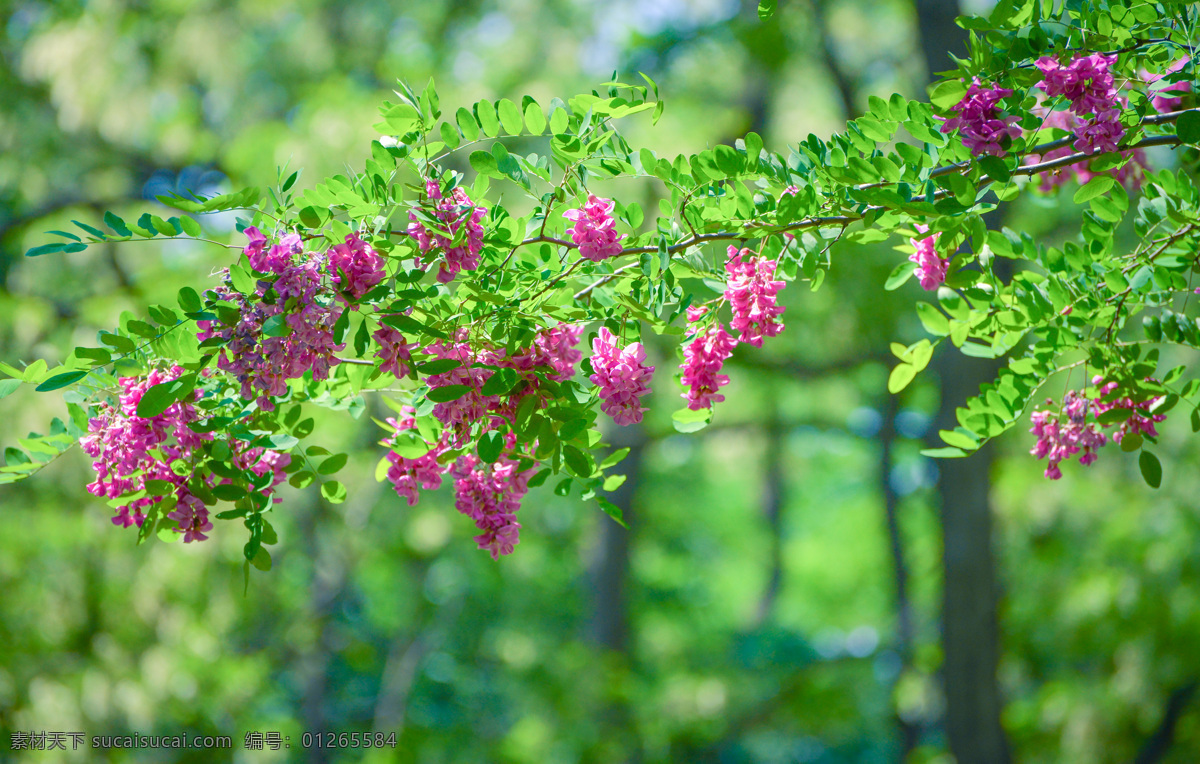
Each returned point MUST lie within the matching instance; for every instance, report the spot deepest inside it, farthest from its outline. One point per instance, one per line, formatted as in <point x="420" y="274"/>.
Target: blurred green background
<point x="779" y="596"/>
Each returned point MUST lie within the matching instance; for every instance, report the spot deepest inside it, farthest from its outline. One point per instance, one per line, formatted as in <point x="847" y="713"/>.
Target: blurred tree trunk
<point x="970" y="632"/>
<point x="609" y="626"/>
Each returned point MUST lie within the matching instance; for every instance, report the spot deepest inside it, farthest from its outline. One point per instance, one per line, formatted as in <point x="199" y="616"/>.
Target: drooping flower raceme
<point x="1061" y="435"/>
<point x="979" y="123"/>
<point x="130" y="451"/>
<point x="490" y="494"/>
<point x="594" y="230"/>
<point x="273" y="259"/>
<point x="1087" y="82"/>
<point x="1128" y="174"/>
<point x="703" y="358"/>
<point x="621" y="377"/>
<point x="395" y="352"/>
<point x="285" y="330"/>
<point x="1058" y="439"/>
<point x="751" y="291"/>
<point x="461" y="219"/>
<point x="931" y="267"/>
<point x="408" y="475"/>
<point x="355" y="267"/>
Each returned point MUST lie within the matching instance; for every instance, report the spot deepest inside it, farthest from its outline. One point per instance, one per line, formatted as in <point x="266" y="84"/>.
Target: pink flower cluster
<point x="355" y="267"/>
<point x="459" y="237"/>
<point x="408" y="475"/>
<point x="490" y="494"/>
<point x="1128" y="174"/>
<point x="1062" y="435"/>
<point x="703" y="358"/>
<point x="130" y="450"/>
<point x="979" y="122"/>
<point x="1087" y="82"/>
<point x="751" y="290"/>
<point x="1058" y="440"/>
<point x="593" y="230"/>
<point x="931" y="267"/>
<point x="263" y="364"/>
<point x="621" y="377"/>
<point x="394" y="351"/>
<point x="273" y="259"/>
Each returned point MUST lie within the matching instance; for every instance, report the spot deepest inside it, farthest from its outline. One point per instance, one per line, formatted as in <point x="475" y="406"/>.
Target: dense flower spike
<point x="1128" y="174"/>
<point x="979" y="123"/>
<point x="283" y="331"/>
<point x="394" y="351"/>
<point x="1087" y="83"/>
<point x="1061" y="436"/>
<point x="594" y="229"/>
<point x="554" y="347"/>
<point x="355" y="267"/>
<point x="275" y="258"/>
<point x="751" y="291"/>
<point x="461" y="219"/>
<point x="703" y="358"/>
<point x="408" y="475"/>
<point x="130" y="450"/>
<point x="490" y="494"/>
<point x="931" y="267"/>
<point x="621" y="377"/>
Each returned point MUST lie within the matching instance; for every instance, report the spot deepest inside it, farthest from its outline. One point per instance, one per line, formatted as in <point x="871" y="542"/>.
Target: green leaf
<point x="900" y="274"/>
<point x="944" y="453"/>
<point x="766" y="9"/>
<point x="1097" y="186"/>
<point x="510" y="116"/>
<point x="686" y="420"/>
<point x="45" y="249"/>
<point x="466" y="122"/>
<point x="1187" y="127"/>
<point x="612" y="510"/>
<point x="484" y="163"/>
<point x="333" y="464"/>
<point x="900" y="377"/>
<point x="119" y="343"/>
<point x="490" y="446"/>
<point x="577" y="461"/>
<point x="486" y="115"/>
<point x="189" y="300"/>
<point x="262" y="559"/>
<point x="447" y="393"/>
<point x="946" y="94"/>
<point x="240" y="278"/>
<point x="333" y="491"/>
<point x="190" y="226"/>
<point x="158" y="398"/>
<point x="535" y="119"/>
<point x="60" y="380"/>
<point x="1151" y="469"/>
<point x="8" y="387"/>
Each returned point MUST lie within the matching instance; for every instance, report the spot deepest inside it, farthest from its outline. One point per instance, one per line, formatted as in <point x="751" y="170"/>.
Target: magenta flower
<point x="751" y="291"/>
<point x="593" y="230"/>
<point x="621" y="377"/>
<point x="355" y="267"/>
<point x="459" y="233"/>
<point x="490" y="494"/>
<point x="406" y="475"/>
<point x="394" y="351"/>
<point x="931" y="268"/>
<point x="703" y="358"/>
<point x="979" y="123"/>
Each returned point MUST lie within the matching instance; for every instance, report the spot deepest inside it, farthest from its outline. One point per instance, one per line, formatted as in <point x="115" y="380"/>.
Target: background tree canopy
<point x="797" y="582"/>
